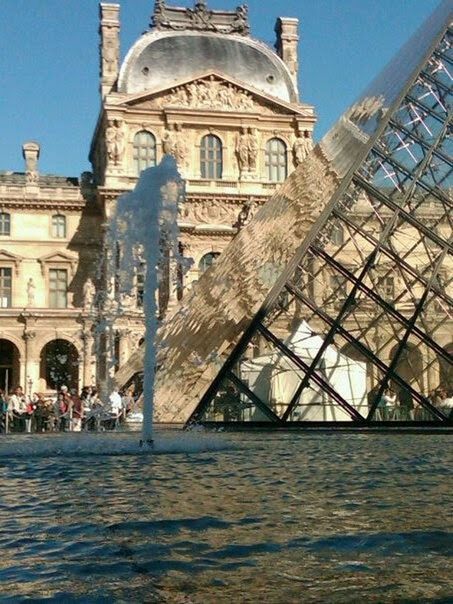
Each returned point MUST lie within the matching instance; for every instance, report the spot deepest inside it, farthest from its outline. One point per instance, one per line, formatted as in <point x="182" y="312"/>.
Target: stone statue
<point x="31" y="287"/>
<point x="252" y="143"/>
<point x="247" y="150"/>
<point x="242" y="150"/>
<point x="173" y="143"/>
<point x="89" y="291"/>
<point x="114" y="141"/>
<point x="246" y="214"/>
<point x="110" y="56"/>
<point x="302" y="147"/>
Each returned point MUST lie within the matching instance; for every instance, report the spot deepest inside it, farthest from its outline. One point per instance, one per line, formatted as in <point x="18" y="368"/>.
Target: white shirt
<point x="18" y="404"/>
<point x="116" y="404"/>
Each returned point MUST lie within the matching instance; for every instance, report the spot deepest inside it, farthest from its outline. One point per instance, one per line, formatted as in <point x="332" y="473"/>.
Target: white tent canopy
<point x="274" y="379"/>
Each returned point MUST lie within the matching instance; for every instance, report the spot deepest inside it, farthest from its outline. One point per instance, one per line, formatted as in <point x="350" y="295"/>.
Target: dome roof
<point x="160" y="59"/>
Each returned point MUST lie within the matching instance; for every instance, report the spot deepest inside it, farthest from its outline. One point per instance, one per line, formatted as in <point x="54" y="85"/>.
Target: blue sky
<point x="49" y="63"/>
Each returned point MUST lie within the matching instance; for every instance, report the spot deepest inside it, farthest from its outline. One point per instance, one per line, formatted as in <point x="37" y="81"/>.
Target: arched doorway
<point x="9" y="365"/>
<point x="409" y="366"/>
<point x="60" y="364"/>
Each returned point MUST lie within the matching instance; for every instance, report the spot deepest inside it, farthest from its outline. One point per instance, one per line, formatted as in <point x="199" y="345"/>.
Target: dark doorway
<point x="9" y="365"/>
<point x="60" y="364"/>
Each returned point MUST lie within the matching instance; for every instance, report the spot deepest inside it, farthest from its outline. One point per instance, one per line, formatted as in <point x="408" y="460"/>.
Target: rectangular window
<point x="59" y="226"/>
<point x="5" y="287"/>
<point x="5" y="224"/>
<point x="58" y="288"/>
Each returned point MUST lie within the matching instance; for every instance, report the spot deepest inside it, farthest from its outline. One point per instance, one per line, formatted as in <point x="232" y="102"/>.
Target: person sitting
<point x="42" y="413"/>
<point x="17" y="409"/>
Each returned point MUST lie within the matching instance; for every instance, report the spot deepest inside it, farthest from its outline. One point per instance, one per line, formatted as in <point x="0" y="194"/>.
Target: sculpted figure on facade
<point x="114" y="141"/>
<point x="110" y="54"/>
<point x="246" y="214"/>
<point x="302" y="147"/>
<point x="31" y="288"/>
<point x="89" y="292"/>
<point x="174" y="143"/>
<point x="247" y="151"/>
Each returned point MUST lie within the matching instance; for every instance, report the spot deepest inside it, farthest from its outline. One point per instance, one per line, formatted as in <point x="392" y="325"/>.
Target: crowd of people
<point x="401" y="406"/>
<point x="64" y="411"/>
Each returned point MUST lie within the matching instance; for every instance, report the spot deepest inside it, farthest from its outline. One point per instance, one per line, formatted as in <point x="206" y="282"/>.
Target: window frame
<point x="144" y="156"/>
<point x="211" y="157"/>
<point x="56" y="224"/>
<point x="9" y="294"/>
<point x="3" y="222"/>
<point x="278" y="168"/>
<point x="54" y="301"/>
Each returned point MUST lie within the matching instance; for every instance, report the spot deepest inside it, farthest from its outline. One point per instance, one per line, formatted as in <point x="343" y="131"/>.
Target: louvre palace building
<point x="197" y="85"/>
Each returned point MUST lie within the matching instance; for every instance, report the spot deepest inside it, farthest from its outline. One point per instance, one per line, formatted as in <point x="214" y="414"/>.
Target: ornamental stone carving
<point x="210" y="212"/>
<point x="211" y="94"/>
<point x="31" y="288"/>
<point x="200" y="18"/>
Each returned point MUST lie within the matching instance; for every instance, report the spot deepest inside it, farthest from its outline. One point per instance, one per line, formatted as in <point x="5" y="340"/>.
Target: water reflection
<point x="280" y="518"/>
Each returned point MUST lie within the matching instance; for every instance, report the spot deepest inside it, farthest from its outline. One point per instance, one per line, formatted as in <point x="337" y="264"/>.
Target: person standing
<point x="77" y="412"/>
<point x="116" y="405"/>
<point x="64" y="409"/>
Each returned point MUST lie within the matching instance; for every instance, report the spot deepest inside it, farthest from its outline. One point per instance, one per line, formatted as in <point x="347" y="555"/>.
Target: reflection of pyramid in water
<point x="357" y="246"/>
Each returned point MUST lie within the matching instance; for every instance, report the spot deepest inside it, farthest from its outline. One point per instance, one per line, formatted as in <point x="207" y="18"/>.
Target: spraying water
<point x="145" y="225"/>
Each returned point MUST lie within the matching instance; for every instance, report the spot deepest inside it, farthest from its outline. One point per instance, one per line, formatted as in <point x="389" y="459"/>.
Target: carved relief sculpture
<point x="211" y="94"/>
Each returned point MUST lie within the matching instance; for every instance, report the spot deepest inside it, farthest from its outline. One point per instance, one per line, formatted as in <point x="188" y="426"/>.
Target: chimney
<point x="109" y="46"/>
<point x="30" y="152"/>
<point x="287" y="30"/>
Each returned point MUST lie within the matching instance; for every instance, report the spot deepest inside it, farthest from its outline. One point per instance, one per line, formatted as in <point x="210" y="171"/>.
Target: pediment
<point x="58" y="258"/>
<point x="214" y="92"/>
<point x="9" y="257"/>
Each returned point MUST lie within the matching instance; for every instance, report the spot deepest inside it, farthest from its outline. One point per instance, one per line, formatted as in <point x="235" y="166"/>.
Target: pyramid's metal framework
<point x="365" y="303"/>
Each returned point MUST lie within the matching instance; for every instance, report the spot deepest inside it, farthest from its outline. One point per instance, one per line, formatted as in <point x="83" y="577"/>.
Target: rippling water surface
<point x="270" y="518"/>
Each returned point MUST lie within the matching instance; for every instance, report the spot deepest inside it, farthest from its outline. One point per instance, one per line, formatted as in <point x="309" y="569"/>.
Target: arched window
<point x="5" y="223"/>
<point x="211" y="164"/>
<point x="276" y="160"/>
<point x="144" y="151"/>
<point x="207" y="261"/>
<point x="58" y="226"/>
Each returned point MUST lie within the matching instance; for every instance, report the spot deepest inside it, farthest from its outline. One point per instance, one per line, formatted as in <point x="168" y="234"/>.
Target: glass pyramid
<point x="334" y="305"/>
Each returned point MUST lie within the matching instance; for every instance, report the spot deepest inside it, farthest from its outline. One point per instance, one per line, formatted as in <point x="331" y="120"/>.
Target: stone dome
<point x="159" y="59"/>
